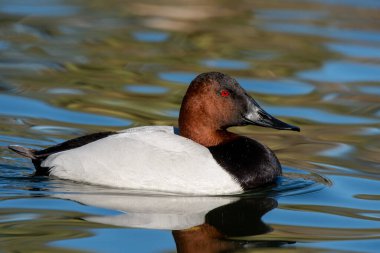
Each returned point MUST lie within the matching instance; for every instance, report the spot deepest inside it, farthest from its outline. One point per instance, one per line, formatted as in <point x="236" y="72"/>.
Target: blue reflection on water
<point x="37" y="8"/>
<point x="178" y="77"/>
<point x="355" y="3"/>
<point x="4" y="45"/>
<point x="276" y="87"/>
<point x="375" y="90"/>
<point x="317" y="115"/>
<point x="54" y="204"/>
<point x="27" y="107"/>
<point x="65" y="91"/>
<point x="308" y="219"/>
<point x="145" y="89"/>
<point x="150" y="36"/>
<point x="340" y="150"/>
<point x="134" y="240"/>
<point x="5" y="140"/>
<point x="370" y="131"/>
<point x="355" y="50"/>
<point x="342" y="193"/>
<point x="29" y="66"/>
<point x="343" y="71"/>
<point x="57" y="130"/>
<point x="19" y="217"/>
<point x="226" y="64"/>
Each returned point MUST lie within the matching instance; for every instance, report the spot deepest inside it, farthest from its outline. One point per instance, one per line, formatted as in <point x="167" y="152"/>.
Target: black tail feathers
<point x="27" y="152"/>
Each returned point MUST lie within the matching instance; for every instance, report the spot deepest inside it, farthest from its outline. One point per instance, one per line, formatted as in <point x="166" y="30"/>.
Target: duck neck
<point x="204" y="134"/>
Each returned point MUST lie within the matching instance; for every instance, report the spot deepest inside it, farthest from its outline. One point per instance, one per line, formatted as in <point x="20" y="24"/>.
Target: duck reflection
<point x="198" y="224"/>
<point x="237" y="219"/>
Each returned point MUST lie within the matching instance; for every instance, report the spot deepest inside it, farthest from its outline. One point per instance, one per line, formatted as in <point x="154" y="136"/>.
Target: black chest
<point x="248" y="161"/>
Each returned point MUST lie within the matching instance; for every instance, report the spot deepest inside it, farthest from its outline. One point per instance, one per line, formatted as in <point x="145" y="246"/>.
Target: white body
<point x="145" y="158"/>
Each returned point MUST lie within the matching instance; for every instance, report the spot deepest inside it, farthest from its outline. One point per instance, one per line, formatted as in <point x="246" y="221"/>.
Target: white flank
<point x="145" y="158"/>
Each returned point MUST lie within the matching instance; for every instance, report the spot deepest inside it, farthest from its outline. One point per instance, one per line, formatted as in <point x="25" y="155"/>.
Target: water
<point x="69" y="68"/>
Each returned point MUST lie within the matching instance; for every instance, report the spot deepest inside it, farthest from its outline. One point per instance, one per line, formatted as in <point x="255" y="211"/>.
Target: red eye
<point x="224" y="93"/>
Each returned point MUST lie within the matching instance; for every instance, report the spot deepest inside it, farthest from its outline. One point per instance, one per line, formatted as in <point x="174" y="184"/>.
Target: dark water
<point x="68" y="68"/>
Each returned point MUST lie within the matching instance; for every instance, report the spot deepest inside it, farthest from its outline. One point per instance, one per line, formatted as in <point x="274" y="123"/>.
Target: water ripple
<point x="276" y="14"/>
<point x="340" y="150"/>
<point x="372" y="90"/>
<point x="4" y="45"/>
<point x="150" y="36"/>
<point x="317" y="115"/>
<point x="354" y="3"/>
<point x="27" y="107"/>
<point x="285" y="87"/>
<point x="329" y="32"/>
<point x="226" y="64"/>
<point x="57" y="130"/>
<point x="369" y="131"/>
<point x="343" y="71"/>
<point x="29" y="66"/>
<point x="145" y="89"/>
<point x="43" y="8"/>
<point x="178" y="77"/>
<point x="351" y="50"/>
<point x="65" y="91"/>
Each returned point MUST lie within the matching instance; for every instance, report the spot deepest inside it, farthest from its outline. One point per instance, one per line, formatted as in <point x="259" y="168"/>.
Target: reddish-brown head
<point x="214" y="102"/>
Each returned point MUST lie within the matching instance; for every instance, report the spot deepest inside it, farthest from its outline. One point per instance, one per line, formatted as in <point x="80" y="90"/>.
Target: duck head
<point x="214" y="102"/>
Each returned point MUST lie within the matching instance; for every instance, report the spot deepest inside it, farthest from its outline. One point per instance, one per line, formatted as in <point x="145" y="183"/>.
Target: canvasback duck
<point x="202" y="158"/>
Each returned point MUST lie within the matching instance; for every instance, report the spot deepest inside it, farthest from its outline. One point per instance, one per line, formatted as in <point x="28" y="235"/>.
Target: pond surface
<point x="69" y="68"/>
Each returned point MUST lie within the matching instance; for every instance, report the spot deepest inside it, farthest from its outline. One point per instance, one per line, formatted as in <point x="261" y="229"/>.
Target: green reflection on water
<point x="32" y="230"/>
